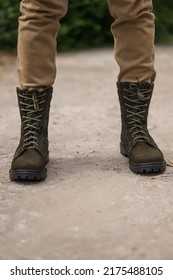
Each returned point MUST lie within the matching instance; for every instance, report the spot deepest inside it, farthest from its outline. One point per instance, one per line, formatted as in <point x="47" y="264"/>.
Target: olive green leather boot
<point x="136" y="142"/>
<point x="32" y="153"/>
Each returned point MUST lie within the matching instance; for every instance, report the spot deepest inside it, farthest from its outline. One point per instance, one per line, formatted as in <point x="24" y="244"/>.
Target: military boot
<point x="32" y="153"/>
<point x="136" y="142"/>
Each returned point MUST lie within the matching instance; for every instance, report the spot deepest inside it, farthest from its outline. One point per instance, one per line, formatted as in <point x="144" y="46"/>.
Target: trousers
<point x="39" y="23"/>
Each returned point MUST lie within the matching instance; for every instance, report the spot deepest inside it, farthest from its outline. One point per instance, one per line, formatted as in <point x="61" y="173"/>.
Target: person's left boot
<point x="32" y="155"/>
<point x="136" y="142"/>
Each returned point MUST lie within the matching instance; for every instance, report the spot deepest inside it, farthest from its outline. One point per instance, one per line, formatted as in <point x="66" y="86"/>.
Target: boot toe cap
<point x="145" y="153"/>
<point x="30" y="159"/>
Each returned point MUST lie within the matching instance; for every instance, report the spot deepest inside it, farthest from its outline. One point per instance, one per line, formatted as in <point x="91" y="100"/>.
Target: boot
<point x="32" y="153"/>
<point x="136" y="142"/>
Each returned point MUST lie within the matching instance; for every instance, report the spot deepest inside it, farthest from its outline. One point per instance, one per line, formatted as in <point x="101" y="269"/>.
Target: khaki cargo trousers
<point x="39" y="23"/>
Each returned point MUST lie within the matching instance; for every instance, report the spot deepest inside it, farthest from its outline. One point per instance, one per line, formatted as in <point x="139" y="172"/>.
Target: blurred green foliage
<point x="8" y="23"/>
<point x="163" y="10"/>
<point x="86" y="25"/>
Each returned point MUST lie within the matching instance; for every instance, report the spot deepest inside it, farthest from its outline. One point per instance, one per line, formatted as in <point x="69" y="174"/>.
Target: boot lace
<point x="137" y="101"/>
<point x="31" y="117"/>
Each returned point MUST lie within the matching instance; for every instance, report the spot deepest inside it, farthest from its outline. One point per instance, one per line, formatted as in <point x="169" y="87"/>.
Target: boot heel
<point x="123" y="151"/>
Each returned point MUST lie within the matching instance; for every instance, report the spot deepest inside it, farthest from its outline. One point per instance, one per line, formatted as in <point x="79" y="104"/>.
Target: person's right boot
<point x="136" y="142"/>
<point x="32" y="154"/>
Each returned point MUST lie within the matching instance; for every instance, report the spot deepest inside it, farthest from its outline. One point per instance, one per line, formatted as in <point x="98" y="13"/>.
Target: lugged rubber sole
<point x="27" y="175"/>
<point x="152" y="167"/>
<point x="142" y="168"/>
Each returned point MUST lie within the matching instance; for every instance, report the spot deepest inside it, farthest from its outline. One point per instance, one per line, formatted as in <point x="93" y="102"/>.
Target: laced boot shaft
<point x="135" y="100"/>
<point x="136" y="142"/>
<point x="31" y="155"/>
<point x="34" y="111"/>
<point x="31" y="108"/>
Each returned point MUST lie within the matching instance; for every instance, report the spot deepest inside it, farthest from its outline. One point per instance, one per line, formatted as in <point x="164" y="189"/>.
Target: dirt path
<point x="91" y="206"/>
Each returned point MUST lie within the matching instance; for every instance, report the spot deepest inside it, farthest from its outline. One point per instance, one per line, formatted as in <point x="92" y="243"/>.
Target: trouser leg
<point x="38" y="28"/>
<point x="133" y="31"/>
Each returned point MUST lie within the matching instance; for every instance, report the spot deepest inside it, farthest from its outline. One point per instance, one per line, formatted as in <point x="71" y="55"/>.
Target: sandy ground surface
<point x="91" y="206"/>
